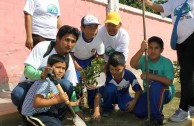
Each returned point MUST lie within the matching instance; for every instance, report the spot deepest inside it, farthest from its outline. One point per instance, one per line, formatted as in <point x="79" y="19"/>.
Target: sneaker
<point x="180" y="115"/>
<point x="116" y="107"/>
<point x="191" y="110"/>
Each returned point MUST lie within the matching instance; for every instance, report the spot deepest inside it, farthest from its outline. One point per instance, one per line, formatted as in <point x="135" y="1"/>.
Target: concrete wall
<point x="12" y="32"/>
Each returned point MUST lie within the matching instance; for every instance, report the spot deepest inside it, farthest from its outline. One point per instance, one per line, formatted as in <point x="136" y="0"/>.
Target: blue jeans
<point x="19" y="92"/>
<point x="159" y="95"/>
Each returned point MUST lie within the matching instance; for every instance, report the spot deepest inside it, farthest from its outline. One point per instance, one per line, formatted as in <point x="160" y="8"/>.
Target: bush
<point x="137" y="4"/>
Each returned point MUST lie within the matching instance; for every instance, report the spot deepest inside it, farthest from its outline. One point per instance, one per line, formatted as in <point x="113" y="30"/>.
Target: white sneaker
<point x="180" y="115"/>
<point x="116" y="107"/>
<point x="191" y="110"/>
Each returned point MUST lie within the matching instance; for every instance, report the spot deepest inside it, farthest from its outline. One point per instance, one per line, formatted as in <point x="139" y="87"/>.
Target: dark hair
<point x="157" y="40"/>
<point x="66" y="29"/>
<point x="56" y="58"/>
<point x="116" y="59"/>
<point x="82" y="22"/>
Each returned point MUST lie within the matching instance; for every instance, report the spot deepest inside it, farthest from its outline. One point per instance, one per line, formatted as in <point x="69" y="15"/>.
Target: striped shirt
<point x="43" y="87"/>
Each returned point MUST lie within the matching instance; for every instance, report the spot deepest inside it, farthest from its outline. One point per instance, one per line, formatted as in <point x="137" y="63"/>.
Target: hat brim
<point x="113" y="22"/>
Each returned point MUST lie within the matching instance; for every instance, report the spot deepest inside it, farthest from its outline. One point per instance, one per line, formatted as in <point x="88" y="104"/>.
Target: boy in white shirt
<point x="88" y="46"/>
<point x="114" y="37"/>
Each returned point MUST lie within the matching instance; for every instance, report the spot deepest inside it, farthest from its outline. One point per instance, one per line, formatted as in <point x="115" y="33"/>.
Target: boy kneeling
<point x="43" y="105"/>
<point x="116" y="89"/>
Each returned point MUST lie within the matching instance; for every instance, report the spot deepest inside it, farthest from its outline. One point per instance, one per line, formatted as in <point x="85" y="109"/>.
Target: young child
<point x="88" y="47"/>
<point x="43" y="105"/>
<point x="116" y="90"/>
<point x="161" y="75"/>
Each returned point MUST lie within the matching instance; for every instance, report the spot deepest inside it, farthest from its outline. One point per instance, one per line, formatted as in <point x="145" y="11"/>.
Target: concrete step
<point x="9" y="115"/>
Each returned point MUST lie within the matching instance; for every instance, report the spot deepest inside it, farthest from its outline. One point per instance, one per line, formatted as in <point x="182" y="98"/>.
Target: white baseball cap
<point x="89" y="20"/>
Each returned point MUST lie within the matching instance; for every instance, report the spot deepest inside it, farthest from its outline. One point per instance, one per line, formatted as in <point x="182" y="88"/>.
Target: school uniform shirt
<point x="128" y="79"/>
<point x="162" y="67"/>
<point x="186" y="23"/>
<point x="85" y="50"/>
<point x="119" y="42"/>
<point x="46" y="88"/>
<point x="44" y="17"/>
<point x="37" y="60"/>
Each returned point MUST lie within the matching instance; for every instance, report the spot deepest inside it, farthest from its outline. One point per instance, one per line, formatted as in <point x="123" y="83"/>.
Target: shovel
<point x="76" y="119"/>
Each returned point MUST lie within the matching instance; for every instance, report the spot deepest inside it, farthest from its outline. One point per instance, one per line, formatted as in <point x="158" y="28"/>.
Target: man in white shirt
<point x="36" y="63"/>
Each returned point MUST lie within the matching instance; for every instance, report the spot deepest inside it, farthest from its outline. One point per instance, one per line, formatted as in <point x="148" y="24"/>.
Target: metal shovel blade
<point x="78" y="121"/>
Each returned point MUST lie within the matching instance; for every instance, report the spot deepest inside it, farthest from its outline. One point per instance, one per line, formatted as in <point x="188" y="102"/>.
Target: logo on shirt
<point x="155" y="72"/>
<point x="185" y="11"/>
<point x="109" y="50"/>
<point x="52" y="9"/>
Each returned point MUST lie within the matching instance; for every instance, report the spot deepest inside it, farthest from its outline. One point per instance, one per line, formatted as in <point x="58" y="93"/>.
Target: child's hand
<point x="80" y="102"/>
<point x="97" y="116"/>
<point x="143" y="76"/>
<point x="131" y="105"/>
<point x="64" y="97"/>
<point x="144" y="45"/>
<point x="53" y="78"/>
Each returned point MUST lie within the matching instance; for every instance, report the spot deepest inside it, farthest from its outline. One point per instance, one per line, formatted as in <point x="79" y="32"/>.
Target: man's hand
<point x="154" y="6"/>
<point x="29" y="43"/>
<point x="45" y="72"/>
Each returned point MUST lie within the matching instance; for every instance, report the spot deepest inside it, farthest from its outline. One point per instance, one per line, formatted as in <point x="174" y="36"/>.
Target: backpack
<point x="50" y="48"/>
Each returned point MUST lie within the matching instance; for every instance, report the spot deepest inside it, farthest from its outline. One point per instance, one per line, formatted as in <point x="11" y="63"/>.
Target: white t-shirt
<point x="36" y="60"/>
<point x="44" y="16"/>
<point x="119" y="42"/>
<point x="83" y="50"/>
<point x="186" y="23"/>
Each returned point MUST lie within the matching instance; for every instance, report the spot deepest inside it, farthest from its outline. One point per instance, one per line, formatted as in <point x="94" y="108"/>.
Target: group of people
<point x="66" y="52"/>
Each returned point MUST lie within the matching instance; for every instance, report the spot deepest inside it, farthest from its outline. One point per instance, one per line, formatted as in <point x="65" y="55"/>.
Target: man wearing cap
<point x="88" y="47"/>
<point x="114" y="37"/>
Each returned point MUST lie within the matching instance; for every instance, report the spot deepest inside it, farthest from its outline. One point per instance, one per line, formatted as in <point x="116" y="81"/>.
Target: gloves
<point x="52" y="77"/>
